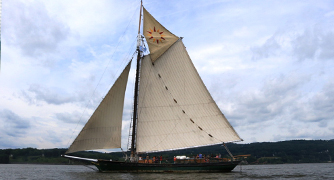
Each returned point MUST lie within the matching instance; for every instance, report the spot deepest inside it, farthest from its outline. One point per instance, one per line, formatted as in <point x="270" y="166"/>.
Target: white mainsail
<point x="175" y="109"/>
<point x="103" y="129"/>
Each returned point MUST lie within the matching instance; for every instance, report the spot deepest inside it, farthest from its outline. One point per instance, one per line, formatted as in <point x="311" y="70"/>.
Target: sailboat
<point x="172" y="110"/>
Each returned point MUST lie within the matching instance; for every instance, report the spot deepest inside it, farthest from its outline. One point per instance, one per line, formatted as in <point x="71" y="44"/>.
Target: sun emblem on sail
<point x="156" y="35"/>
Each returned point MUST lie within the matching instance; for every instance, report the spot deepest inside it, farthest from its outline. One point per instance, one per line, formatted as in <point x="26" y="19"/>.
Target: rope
<point x="228" y="151"/>
<point x="123" y="151"/>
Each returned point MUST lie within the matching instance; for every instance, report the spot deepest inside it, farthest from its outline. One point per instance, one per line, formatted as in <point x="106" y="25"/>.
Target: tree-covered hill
<point x="295" y="151"/>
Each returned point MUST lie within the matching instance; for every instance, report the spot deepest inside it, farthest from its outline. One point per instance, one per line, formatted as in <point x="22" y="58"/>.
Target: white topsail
<point x="175" y="109"/>
<point x="103" y="129"/>
<point x="158" y="38"/>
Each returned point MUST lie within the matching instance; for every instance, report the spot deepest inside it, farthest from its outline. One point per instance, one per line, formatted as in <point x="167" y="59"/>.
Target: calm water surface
<point x="282" y="171"/>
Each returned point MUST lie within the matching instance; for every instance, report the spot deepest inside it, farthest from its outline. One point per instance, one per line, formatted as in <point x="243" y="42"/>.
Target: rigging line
<point x="228" y="151"/>
<point x="126" y="56"/>
<point x="101" y="77"/>
<point x="124" y="63"/>
<point x="132" y="102"/>
<point x="129" y="132"/>
<point x="123" y="151"/>
<point x="192" y="8"/>
<point x="185" y="105"/>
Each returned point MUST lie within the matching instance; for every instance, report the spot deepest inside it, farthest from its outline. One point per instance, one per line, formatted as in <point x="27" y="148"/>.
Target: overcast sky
<point x="269" y="65"/>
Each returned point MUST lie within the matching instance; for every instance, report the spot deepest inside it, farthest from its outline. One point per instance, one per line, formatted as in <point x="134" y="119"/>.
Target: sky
<point x="268" y="64"/>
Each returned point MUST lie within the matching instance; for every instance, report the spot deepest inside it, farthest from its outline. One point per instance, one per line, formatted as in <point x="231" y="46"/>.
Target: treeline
<point x="295" y="151"/>
<point x="32" y="155"/>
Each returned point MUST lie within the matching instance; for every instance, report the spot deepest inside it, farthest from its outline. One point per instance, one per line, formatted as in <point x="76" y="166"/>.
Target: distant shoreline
<point x="283" y="152"/>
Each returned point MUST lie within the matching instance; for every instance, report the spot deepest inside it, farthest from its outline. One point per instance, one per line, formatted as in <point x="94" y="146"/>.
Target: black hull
<point x="111" y="166"/>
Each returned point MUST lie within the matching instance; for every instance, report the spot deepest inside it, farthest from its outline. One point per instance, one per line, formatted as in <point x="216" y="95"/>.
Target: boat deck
<point x="181" y="166"/>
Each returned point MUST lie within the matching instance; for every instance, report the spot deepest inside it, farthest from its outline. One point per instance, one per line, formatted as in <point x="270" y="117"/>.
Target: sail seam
<point x="181" y="133"/>
<point x="194" y="104"/>
<point x="190" y="118"/>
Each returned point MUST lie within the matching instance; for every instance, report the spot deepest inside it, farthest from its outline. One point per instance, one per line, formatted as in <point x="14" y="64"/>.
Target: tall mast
<point x="133" y="149"/>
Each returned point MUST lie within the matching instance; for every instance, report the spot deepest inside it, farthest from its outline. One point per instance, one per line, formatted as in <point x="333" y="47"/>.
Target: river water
<point x="281" y="171"/>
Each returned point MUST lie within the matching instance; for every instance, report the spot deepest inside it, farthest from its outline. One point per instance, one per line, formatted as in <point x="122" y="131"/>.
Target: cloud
<point x="32" y="29"/>
<point x="326" y="46"/>
<point x="269" y="71"/>
<point x="12" y="124"/>
<point x="270" y="102"/>
<point x="270" y="47"/>
<point x="73" y="118"/>
<point x="314" y="44"/>
<point x="302" y="132"/>
<point x="283" y="108"/>
<point x="319" y="108"/>
<point x="52" y="136"/>
<point x="37" y="93"/>
<point x="306" y="45"/>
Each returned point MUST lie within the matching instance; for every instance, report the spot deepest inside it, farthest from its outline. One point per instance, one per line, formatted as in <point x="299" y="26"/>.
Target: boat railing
<point x="187" y="161"/>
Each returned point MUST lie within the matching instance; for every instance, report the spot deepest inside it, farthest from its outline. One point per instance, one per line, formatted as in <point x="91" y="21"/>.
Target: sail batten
<point x="103" y="129"/>
<point x="183" y="114"/>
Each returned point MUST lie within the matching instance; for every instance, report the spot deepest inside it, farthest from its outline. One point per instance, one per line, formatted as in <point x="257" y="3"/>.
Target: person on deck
<point x="147" y="159"/>
<point x="160" y="158"/>
<point x="200" y="156"/>
<point x="174" y="159"/>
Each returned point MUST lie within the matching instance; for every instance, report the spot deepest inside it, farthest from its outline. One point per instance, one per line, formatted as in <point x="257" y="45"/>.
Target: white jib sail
<point x="103" y="129"/>
<point x="175" y="109"/>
